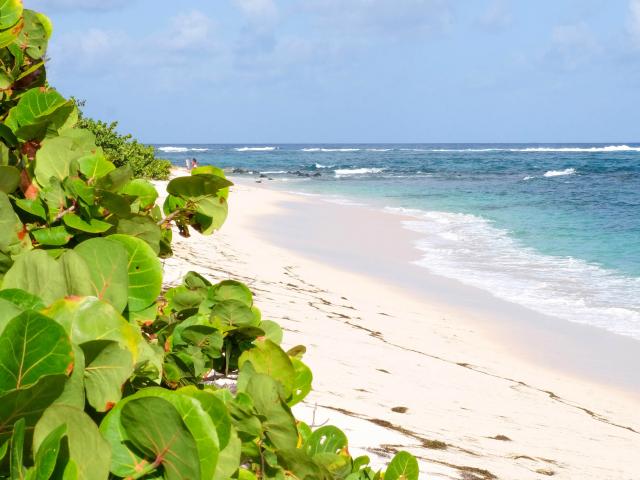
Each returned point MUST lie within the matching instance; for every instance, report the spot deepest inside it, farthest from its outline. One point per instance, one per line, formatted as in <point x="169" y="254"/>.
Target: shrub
<point x="102" y="374"/>
<point x="124" y="150"/>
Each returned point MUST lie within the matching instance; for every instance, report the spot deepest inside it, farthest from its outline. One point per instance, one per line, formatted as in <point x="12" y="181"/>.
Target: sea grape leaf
<point x="272" y="331"/>
<point x="28" y="403"/>
<point x="197" y="186"/>
<point x="326" y="439"/>
<point x="303" y="378"/>
<point x="34" y="207"/>
<point x="54" y="236"/>
<point x="32" y="346"/>
<point x="211" y="213"/>
<point x="216" y="410"/>
<point x="16" y="453"/>
<point x="231" y="290"/>
<point x="95" y="165"/>
<point x="47" y="454"/>
<point x="278" y="423"/>
<point x="10" y="225"/>
<point x="92" y="226"/>
<point x="268" y="358"/>
<point x="126" y="462"/>
<point x="142" y="227"/>
<point x="36" y="111"/>
<point x="229" y="458"/>
<point x="76" y="275"/>
<point x="87" y="449"/>
<point x="145" y="192"/>
<point x="89" y="319"/>
<point x="38" y="273"/>
<point x="21" y="299"/>
<point x="53" y="159"/>
<point x="144" y="270"/>
<point x="212" y="170"/>
<point x="108" y="367"/>
<point x="10" y="13"/>
<point x="115" y="179"/>
<point x="113" y="203"/>
<point x="338" y="466"/>
<point x="232" y="313"/>
<point x="73" y="393"/>
<point x="403" y="466"/>
<point x="9" y="178"/>
<point x="163" y="437"/>
<point x="107" y="261"/>
<point x="35" y="33"/>
<point x="301" y="465"/>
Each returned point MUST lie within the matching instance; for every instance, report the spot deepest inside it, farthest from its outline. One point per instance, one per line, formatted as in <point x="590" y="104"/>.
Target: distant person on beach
<point x="194" y="163"/>
<point x="188" y="163"/>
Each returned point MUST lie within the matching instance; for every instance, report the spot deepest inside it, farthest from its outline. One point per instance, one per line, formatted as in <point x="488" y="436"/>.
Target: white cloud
<point x="497" y="16"/>
<point x="633" y="23"/>
<point x="47" y="5"/>
<point x="573" y="45"/>
<point x="258" y="9"/>
<point x="189" y="30"/>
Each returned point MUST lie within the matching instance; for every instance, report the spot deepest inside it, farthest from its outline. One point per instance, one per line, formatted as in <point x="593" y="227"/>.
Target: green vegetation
<point x="124" y="150"/>
<point x="102" y="374"/>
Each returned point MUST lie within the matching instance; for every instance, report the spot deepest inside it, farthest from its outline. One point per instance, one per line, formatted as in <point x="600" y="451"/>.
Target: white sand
<point x="373" y="347"/>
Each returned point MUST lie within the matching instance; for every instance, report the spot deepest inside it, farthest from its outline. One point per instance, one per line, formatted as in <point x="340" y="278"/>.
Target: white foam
<point x="470" y="249"/>
<point x="266" y="172"/>
<point x="255" y="149"/>
<point x="181" y="149"/>
<point x="608" y="148"/>
<point x="560" y="173"/>
<point x="319" y="165"/>
<point x="317" y="149"/>
<point x="173" y="149"/>
<point x="356" y="171"/>
<point x="379" y="149"/>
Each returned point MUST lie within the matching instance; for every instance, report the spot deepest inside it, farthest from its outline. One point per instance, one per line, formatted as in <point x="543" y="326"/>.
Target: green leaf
<point x="107" y="261"/>
<point x="34" y="207"/>
<point x="197" y="186"/>
<point x="142" y="227"/>
<point x="232" y="313"/>
<point x="10" y="225"/>
<point x="211" y="213"/>
<point x="35" y="33"/>
<point x="231" y="290"/>
<point x="38" y="273"/>
<point x="9" y="179"/>
<point x="403" y="466"/>
<point x="53" y="159"/>
<point x="279" y="425"/>
<point x="127" y="463"/>
<point x="268" y="358"/>
<point x="145" y="272"/>
<point x="29" y="403"/>
<point x="32" y="346"/>
<point x="115" y="179"/>
<point x="229" y="458"/>
<point x="95" y="165"/>
<point x="92" y="226"/>
<point x="89" y="319"/>
<point x="37" y="111"/>
<point x="17" y="450"/>
<point x="163" y="438"/>
<point x="87" y="449"/>
<point x="301" y="465"/>
<point x="56" y="236"/>
<point x="21" y="299"/>
<point x="73" y="393"/>
<point x="145" y="192"/>
<point x="327" y="439"/>
<point x="108" y="366"/>
<point x="216" y="410"/>
<point x="10" y="13"/>
<point x="303" y="378"/>
<point x="47" y="454"/>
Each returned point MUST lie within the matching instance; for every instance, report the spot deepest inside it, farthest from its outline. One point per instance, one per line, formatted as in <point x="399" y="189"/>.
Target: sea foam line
<point x="172" y="149"/>
<point x="343" y="172"/>
<point x="471" y="250"/>
<point x="560" y="173"/>
<point x="255" y="149"/>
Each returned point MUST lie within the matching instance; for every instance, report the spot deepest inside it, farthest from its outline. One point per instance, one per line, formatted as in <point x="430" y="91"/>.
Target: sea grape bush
<point x="103" y="375"/>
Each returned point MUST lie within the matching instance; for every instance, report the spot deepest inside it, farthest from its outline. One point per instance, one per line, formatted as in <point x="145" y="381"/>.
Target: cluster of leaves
<point x="101" y="375"/>
<point x="125" y="150"/>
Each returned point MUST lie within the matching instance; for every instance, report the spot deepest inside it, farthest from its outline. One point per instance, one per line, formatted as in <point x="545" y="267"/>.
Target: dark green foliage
<point x="124" y="150"/>
<point x="102" y="375"/>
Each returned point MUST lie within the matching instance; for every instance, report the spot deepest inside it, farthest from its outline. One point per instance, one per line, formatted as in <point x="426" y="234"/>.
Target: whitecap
<point x="173" y="149"/>
<point x="317" y="149"/>
<point x="255" y="149"/>
<point x="356" y="171"/>
<point x="560" y="173"/>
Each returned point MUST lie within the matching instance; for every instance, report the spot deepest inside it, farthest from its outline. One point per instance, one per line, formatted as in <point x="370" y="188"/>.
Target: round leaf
<point x="403" y="466"/>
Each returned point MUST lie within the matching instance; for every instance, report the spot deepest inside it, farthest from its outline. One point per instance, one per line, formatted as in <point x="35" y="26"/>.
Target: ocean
<point x="553" y="227"/>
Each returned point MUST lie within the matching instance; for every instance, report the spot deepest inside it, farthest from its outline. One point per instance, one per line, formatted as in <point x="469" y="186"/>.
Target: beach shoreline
<point x="399" y="370"/>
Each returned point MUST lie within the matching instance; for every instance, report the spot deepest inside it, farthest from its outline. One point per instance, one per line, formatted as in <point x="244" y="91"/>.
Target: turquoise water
<point x="553" y="227"/>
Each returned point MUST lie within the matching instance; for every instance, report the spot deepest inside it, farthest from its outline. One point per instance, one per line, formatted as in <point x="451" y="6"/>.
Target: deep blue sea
<point x="553" y="227"/>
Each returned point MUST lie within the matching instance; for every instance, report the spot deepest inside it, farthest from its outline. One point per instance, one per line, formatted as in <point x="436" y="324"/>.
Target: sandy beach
<point x="460" y="380"/>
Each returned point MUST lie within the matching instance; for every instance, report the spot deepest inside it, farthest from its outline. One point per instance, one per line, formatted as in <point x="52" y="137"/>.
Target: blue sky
<point x="300" y="71"/>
